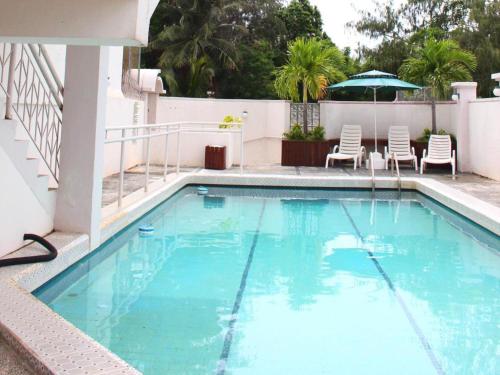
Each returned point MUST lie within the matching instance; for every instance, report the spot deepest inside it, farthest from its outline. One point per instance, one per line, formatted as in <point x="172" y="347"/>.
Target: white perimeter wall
<point x="415" y="115"/>
<point x="264" y="127"/>
<point x="120" y="112"/>
<point x="484" y="133"/>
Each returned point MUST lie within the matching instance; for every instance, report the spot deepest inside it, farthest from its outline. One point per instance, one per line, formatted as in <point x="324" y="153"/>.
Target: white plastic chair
<point x="399" y="145"/>
<point x="350" y="146"/>
<point x="439" y="152"/>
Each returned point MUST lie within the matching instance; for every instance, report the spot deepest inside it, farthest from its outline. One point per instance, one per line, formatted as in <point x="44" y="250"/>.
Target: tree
<point x="254" y="76"/>
<point x="436" y="65"/>
<point x="196" y="40"/>
<point x="311" y="65"/>
<point x="474" y="24"/>
<point x="301" y="19"/>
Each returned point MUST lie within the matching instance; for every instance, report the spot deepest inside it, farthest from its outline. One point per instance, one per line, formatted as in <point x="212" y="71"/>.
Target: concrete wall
<point x="21" y="211"/>
<point x="484" y="134"/>
<point x="89" y="22"/>
<point x="264" y="127"/>
<point x="121" y="112"/>
<point x="415" y="115"/>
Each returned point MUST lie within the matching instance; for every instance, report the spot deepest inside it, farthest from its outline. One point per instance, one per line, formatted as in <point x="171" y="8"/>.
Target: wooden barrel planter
<point x="304" y="153"/>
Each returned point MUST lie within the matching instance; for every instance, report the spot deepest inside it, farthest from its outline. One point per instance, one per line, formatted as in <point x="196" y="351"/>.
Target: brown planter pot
<point x="304" y="153"/>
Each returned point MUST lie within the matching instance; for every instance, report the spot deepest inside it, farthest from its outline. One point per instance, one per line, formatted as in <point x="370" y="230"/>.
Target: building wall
<point x="484" y="133"/>
<point x="265" y="124"/>
<point x="415" y="115"/>
<point x="123" y="111"/>
<point x="21" y="211"/>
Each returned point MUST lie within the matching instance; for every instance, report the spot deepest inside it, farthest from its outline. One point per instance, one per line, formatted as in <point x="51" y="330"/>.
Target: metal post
<point x="241" y="148"/>
<point x="178" y="149"/>
<point x="10" y="81"/>
<point x="148" y="156"/>
<point x="122" y="170"/>
<point x="165" y="159"/>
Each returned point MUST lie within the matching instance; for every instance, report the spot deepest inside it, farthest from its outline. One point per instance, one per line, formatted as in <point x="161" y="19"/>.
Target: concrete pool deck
<point x="477" y="186"/>
<point x="50" y="344"/>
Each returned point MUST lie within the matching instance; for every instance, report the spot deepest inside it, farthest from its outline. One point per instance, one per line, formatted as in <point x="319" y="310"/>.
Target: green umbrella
<point x="376" y="81"/>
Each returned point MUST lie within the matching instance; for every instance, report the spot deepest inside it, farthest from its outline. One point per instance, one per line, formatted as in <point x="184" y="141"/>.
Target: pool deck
<point x="480" y="187"/>
<point x="49" y="344"/>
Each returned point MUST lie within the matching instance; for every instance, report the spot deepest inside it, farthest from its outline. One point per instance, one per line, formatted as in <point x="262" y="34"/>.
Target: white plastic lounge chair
<point x="399" y="145"/>
<point x="439" y="152"/>
<point x="350" y="146"/>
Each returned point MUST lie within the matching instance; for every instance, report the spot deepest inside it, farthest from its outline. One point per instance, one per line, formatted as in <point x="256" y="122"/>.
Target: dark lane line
<point x="399" y="298"/>
<point x="221" y="366"/>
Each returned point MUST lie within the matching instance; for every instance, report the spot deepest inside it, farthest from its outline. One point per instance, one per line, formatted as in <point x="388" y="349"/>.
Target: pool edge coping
<point x="20" y="281"/>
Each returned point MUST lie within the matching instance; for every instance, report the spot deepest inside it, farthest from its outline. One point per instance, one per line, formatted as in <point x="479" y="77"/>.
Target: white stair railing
<point x="146" y="132"/>
<point x="34" y="97"/>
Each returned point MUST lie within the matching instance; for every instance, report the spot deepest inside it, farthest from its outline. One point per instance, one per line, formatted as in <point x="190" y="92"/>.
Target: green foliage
<point x="230" y="122"/>
<point x="427" y="134"/>
<point x="317" y="134"/>
<point x="302" y="20"/>
<point x="437" y="64"/>
<point x="254" y="78"/>
<point x="194" y="39"/>
<point x="295" y="133"/>
<point x="231" y="47"/>
<point x="473" y="24"/>
<point x="311" y="65"/>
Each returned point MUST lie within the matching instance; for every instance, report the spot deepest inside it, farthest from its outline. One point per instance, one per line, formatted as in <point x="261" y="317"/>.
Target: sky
<point x="336" y="13"/>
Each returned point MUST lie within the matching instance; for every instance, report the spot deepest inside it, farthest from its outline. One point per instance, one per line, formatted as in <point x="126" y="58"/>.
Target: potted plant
<point x="299" y="149"/>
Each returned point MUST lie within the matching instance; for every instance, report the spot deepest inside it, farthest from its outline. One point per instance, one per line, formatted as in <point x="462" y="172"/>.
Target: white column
<point x="82" y="142"/>
<point x="466" y="92"/>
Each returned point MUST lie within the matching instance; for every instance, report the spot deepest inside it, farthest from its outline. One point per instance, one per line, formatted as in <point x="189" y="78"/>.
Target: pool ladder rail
<point x="394" y="160"/>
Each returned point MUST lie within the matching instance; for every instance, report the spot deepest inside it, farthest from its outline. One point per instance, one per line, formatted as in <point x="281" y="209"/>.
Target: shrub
<point x="427" y="134"/>
<point x="317" y="134"/>
<point x="229" y="121"/>
<point x="295" y="133"/>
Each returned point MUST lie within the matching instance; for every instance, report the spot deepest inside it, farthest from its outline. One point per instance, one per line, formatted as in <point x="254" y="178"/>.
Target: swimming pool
<point x="283" y="281"/>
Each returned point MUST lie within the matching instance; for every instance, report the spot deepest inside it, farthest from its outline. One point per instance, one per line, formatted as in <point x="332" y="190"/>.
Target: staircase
<point x="31" y="97"/>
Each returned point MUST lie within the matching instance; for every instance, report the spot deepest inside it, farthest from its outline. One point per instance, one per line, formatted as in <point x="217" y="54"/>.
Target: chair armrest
<point x="424" y="153"/>
<point x="335" y="148"/>
<point x="413" y="151"/>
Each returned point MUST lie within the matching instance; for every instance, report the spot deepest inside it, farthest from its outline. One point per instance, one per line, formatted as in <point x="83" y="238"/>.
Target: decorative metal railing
<point x="313" y="114"/>
<point x="34" y="96"/>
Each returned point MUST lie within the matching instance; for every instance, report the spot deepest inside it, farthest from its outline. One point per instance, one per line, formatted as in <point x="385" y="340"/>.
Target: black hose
<point x="34" y="258"/>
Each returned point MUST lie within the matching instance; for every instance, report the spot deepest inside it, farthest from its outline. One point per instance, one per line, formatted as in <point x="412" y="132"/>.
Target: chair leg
<point x="422" y="166"/>
<point x="415" y="163"/>
<point x="386" y="163"/>
<point x="327" y="160"/>
<point x="453" y="168"/>
<point x="355" y="163"/>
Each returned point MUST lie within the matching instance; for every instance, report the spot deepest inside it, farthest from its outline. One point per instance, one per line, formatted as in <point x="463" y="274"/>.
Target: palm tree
<point x="436" y="65"/>
<point x="311" y="65"/>
<point x="197" y="39"/>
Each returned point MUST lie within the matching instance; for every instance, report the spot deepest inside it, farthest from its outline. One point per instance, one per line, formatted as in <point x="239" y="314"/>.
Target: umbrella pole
<point x="375" y="109"/>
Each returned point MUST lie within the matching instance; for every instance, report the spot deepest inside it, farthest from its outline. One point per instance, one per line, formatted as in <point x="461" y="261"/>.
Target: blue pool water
<point x="270" y="281"/>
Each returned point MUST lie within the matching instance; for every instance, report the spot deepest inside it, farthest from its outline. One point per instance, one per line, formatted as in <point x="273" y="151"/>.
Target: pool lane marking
<point x="399" y="298"/>
<point x="228" y="339"/>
